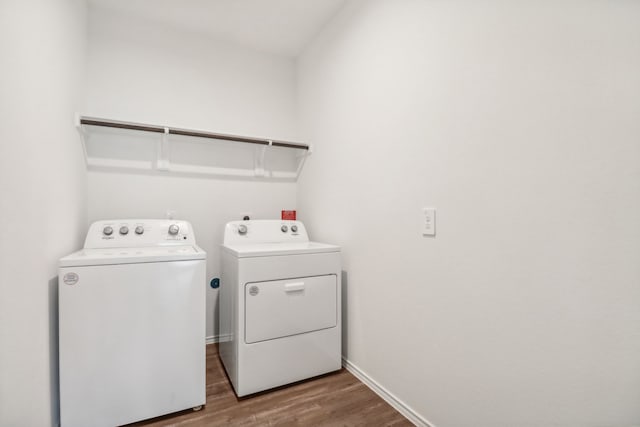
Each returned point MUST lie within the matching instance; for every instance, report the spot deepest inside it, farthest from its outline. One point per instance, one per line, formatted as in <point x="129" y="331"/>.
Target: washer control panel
<point x="265" y="231"/>
<point x="125" y="233"/>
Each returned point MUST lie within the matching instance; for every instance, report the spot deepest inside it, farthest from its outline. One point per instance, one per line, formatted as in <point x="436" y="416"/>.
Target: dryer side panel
<point x="228" y="321"/>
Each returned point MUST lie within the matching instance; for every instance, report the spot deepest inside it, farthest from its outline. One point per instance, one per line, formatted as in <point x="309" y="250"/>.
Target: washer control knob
<point x="242" y="229"/>
<point x="294" y="228"/>
<point x="139" y="229"/>
<point x="107" y="231"/>
<point x="124" y="230"/>
<point x="284" y="228"/>
<point x="173" y="229"/>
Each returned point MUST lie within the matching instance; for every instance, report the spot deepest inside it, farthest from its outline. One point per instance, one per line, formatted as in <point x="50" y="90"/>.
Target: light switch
<point x="428" y="221"/>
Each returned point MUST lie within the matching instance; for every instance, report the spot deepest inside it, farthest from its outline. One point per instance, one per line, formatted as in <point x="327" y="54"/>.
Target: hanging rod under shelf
<point x="90" y="121"/>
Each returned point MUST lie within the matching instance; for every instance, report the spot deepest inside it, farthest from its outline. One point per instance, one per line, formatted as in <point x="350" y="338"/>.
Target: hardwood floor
<point x="336" y="399"/>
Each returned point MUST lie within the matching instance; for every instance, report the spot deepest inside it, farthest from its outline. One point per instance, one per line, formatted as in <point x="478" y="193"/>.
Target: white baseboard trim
<point x="392" y="400"/>
<point x="217" y="338"/>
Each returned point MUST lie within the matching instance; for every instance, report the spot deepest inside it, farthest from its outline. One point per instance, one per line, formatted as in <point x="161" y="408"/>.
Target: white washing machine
<point x="132" y="323"/>
<point x="280" y="316"/>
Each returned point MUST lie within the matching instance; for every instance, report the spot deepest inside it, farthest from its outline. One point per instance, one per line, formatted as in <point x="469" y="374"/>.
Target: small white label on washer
<point x="70" y="278"/>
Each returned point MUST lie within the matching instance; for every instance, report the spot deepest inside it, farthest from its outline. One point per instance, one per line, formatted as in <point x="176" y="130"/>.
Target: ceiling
<point x="281" y="27"/>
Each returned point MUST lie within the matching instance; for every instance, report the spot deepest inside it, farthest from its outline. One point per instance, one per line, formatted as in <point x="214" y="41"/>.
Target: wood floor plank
<point x="333" y="400"/>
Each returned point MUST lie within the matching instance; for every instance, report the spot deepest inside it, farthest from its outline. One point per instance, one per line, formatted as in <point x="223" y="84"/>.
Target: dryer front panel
<point x="281" y="308"/>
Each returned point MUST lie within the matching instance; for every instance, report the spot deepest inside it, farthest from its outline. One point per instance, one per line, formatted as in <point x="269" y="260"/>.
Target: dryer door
<point x="281" y="308"/>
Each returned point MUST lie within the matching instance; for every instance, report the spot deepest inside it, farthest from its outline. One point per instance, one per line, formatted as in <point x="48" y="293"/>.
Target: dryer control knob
<point x="242" y="229"/>
<point x="284" y="228"/>
<point x="173" y="229"/>
<point x="124" y="230"/>
<point x="139" y="229"/>
<point x="294" y="228"/>
<point x="107" y="231"/>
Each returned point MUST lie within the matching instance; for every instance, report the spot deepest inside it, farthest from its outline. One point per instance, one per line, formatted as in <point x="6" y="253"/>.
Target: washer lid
<point x="104" y="256"/>
<point x="242" y="250"/>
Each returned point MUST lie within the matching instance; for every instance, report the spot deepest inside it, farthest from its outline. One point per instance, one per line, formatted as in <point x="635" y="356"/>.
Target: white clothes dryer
<point x="280" y="305"/>
<point x="132" y="323"/>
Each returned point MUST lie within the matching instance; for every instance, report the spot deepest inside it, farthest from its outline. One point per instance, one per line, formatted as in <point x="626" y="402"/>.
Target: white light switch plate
<point x="428" y="221"/>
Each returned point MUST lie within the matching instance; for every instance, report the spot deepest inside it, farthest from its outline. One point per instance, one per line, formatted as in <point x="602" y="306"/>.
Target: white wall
<point x="519" y="122"/>
<point x="152" y="73"/>
<point x="42" y="195"/>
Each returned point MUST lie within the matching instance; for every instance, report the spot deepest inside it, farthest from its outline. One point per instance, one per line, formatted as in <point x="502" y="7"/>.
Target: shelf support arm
<point x="162" y="162"/>
<point x="258" y="169"/>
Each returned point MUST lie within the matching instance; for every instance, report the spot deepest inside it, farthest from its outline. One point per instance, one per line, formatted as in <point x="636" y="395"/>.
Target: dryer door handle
<point x="293" y="287"/>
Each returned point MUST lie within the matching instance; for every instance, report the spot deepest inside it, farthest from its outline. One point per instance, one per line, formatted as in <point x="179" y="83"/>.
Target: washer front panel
<point x="131" y="341"/>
